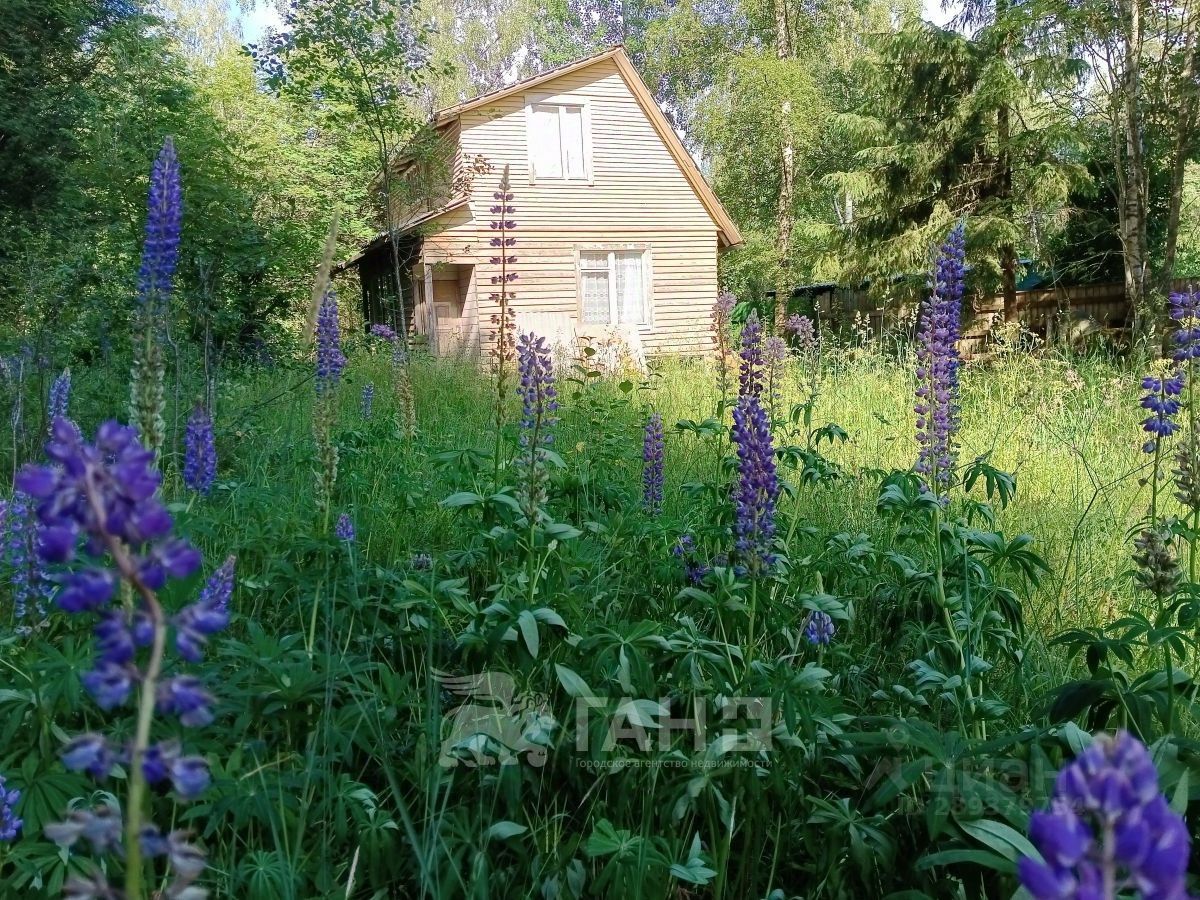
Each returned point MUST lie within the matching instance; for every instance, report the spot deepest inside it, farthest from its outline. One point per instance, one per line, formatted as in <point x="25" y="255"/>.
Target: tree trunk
<point x="1008" y="253"/>
<point x="787" y="178"/>
<point x="1132" y="182"/>
<point x="1185" y="123"/>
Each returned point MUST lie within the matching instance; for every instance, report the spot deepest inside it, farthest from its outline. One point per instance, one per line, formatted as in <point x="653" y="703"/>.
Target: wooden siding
<point x="637" y="196"/>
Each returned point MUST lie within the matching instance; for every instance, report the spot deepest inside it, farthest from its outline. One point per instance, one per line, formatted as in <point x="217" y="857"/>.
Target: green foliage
<point x="953" y="126"/>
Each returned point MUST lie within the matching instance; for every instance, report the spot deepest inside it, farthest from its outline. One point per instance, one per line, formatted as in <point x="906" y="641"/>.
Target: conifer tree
<point x="958" y="126"/>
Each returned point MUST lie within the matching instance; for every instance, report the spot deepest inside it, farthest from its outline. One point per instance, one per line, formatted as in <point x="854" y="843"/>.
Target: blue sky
<point x="260" y="18"/>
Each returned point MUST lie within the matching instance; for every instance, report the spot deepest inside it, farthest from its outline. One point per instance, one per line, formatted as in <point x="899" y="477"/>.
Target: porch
<point x="438" y="302"/>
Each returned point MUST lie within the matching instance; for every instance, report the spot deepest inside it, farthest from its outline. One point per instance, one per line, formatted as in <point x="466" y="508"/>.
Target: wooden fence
<point x="1062" y="313"/>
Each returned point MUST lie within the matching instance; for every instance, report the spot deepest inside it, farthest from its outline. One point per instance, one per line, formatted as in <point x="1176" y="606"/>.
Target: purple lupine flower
<point x="774" y="350"/>
<point x="751" y="372"/>
<point x="60" y="397"/>
<point x="344" y="529"/>
<point x="539" y="403"/>
<point x="10" y="824"/>
<point x="802" y="331"/>
<point x="652" y="459"/>
<point x="1162" y="400"/>
<point x="185" y="696"/>
<point x="1185" y="312"/>
<point x="539" y="398"/>
<point x="723" y="309"/>
<point x="20" y="531"/>
<point x="819" y="629"/>
<point x="774" y="355"/>
<point x="684" y="549"/>
<point x="89" y="753"/>
<point x="383" y="331"/>
<point x="208" y="615"/>
<point x="757" y="488"/>
<point x="1109" y="831"/>
<point x="938" y="364"/>
<point x="502" y="223"/>
<point x="685" y="544"/>
<point x="368" y="399"/>
<point x="330" y="359"/>
<point x="164" y="218"/>
<point x="199" y="452"/>
<point x="106" y="494"/>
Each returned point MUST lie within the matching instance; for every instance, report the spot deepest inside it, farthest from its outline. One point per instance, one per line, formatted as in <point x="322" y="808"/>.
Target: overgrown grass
<point x="326" y="756"/>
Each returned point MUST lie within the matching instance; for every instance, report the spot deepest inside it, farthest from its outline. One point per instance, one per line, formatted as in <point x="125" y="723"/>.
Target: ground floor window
<point x="612" y="287"/>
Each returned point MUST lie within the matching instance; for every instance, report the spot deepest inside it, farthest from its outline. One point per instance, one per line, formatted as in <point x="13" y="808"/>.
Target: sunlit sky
<point x="254" y="23"/>
<point x="264" y="16"/>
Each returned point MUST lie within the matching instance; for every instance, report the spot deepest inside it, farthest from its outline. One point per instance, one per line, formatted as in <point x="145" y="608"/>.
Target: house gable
<point x="631" y="144"/>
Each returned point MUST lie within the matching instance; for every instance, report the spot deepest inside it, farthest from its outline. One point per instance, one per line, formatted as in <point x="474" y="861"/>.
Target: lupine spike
<point x="1184" y="309"/>
<point x="164" y="219"/>
<point x="752" y="372"/>
<point x="1162" y="402"/>
<point x="652" y="459"/>
<point x="331" y="362"/>
<point x="938" y="364"/>
<point x="502" y="296"/>
<point x="367" y="403"/>
<point x="820" y="628"/>
<point x="539" y="405"/>
<point x="10" y="823"/>
<point x="802" y="331"/>
<point x="199" y="452"/>
<point x="98" y="503"/>
<point x="757" y="489"/>
<point x="160" y="254"/>
<point x="722" y="310"/>
<point x="1109" y="831"/>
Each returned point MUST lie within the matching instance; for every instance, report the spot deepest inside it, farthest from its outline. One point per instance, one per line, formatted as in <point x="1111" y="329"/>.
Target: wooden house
<point x="616" y="231"/>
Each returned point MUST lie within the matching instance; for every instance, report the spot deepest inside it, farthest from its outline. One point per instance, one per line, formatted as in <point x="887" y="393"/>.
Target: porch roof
<point x="407" y="230"/>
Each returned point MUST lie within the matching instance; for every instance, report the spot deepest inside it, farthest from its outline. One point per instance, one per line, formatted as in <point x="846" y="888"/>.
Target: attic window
<point x="558" y="145"/>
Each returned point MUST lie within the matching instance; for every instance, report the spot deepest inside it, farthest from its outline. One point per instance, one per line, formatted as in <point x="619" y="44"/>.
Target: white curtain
<point x="631" y="301"/>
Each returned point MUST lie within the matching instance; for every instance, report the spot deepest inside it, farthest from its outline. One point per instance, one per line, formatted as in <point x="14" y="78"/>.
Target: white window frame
<point x="560" y="100"/>
<point x="647" y="284"/>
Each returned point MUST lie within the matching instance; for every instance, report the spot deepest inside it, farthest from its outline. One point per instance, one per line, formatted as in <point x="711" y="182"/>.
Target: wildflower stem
<point x="940" y="588"/>
<point x="135" y="811"/>
<point x="750" y="631"/>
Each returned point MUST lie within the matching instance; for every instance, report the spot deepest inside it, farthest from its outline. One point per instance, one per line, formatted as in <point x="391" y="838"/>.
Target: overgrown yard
<point x="524" y="449"/>
<point x="453" y="701"/>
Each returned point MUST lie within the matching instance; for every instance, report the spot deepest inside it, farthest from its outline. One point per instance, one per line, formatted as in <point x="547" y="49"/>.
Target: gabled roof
<point x="727" y="230"/>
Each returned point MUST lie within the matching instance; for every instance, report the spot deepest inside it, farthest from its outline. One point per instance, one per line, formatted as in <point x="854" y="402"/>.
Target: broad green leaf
<point x="503" y="830"/>
<point x="1004" y="839"/>
<point x="572" y="683"/>
<point x="529" y="632"/>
